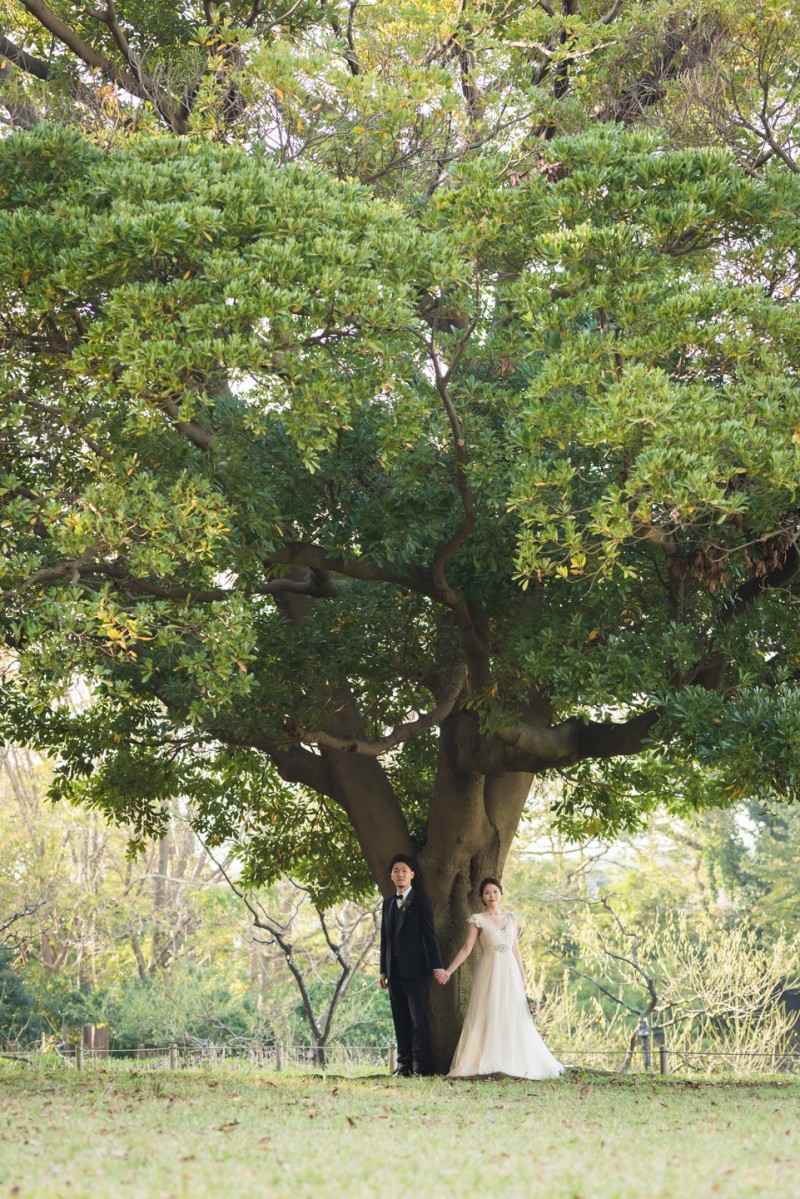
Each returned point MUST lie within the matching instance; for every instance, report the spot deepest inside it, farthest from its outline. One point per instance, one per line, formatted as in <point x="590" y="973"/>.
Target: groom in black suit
<point x="409" y="955"/>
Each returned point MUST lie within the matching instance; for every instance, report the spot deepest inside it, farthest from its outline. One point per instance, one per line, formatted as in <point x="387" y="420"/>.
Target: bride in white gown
<point x="498" y="1036"/>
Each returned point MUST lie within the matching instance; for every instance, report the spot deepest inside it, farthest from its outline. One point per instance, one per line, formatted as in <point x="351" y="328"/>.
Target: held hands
<point x="441" y="977"/>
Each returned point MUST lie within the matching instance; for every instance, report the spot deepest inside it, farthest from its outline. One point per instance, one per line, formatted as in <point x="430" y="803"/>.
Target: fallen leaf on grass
<point x="350" y="1121"/>
<point x="228" y="1126"/>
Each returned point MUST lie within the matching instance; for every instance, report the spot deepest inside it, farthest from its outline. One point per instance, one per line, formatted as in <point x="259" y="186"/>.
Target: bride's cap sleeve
<point x="475" y="918"/>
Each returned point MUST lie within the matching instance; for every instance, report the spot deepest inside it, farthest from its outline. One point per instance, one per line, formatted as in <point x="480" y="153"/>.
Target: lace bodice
<point x="494" y="937"/>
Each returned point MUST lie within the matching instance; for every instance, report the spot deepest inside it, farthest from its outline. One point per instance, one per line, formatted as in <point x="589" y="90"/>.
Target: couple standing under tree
<point x="498" y="1036"/>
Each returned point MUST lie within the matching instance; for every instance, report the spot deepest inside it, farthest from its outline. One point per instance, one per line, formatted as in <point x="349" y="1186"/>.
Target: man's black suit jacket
<point x="410" y="939"/>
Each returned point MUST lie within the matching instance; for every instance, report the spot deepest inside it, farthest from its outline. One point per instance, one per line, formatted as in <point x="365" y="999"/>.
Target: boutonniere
<point x="404" y="905"/>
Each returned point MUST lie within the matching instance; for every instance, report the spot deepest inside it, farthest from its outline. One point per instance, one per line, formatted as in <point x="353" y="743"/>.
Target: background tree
<point x="70" y="878"/>
<point x="654" y="939"/>
<point x="659" y="983"/>
<point x="90" y="919"/>
<point x="345" y="937"/>
<point x="393" y="95"/>
<point x="161" y="946"/>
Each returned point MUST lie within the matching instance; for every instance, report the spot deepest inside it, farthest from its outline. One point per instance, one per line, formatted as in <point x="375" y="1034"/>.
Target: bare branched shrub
<point x="665" y="985"/>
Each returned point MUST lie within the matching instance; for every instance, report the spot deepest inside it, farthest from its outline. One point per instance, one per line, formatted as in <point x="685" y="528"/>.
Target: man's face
<point x="402" y="876"/>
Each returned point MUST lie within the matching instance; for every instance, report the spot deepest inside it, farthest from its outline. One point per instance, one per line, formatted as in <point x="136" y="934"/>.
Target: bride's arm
<point x="465" y="950"/>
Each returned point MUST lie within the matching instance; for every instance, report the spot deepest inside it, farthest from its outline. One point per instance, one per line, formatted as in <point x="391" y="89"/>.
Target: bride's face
<point x="491" y="895"/>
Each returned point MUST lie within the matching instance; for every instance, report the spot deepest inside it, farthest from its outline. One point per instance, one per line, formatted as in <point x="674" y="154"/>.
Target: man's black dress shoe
<point x="403" y="1072"/>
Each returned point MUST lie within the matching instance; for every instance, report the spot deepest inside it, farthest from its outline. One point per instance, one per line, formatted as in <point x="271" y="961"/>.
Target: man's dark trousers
<point x="409" y="1000"/>
<point x="409" y="954"/>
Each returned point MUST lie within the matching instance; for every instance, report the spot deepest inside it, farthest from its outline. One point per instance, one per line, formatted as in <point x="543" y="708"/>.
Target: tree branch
<point x="293" y="763"/>
<point x="403" y="732"/>
<point x="588" y="977"/>
<point x="175" y="115"/>
<point x="91" y="444"/>
<point x="349" y="970"/>
<point x="682" y="49"/>
<point x="255" y="13"/>
<point x="531" y="747"/>
<point x="267" y="924"/>
<point x="561" y="70"/>
<point x="753" y="588"/>
<point x="29" y="909"/>
<point x="351" y="58"/>
<point x="711" y="673"/>
<point x="316" y="558"/>
<point x="108" y="16"/>
<point x="612" y="13"/>
<point x="198" y="434"/>
<point x="474" y="645"/>
<point x="22" y="59"/>
<point x="83" y="568"/>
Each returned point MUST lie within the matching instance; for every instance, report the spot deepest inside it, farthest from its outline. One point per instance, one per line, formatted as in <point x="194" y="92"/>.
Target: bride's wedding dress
<point x="499" y="1036"/>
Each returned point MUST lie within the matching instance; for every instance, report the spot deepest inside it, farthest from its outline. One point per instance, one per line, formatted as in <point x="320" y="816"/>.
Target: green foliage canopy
<point x="284" y="464"/>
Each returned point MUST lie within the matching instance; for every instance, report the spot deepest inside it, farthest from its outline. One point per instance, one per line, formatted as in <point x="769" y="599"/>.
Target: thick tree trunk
<point x="473" y="819"/>
<point x="471" y="824"/>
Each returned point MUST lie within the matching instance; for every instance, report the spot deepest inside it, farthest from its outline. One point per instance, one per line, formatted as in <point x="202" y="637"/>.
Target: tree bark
<point x="472" y="822"/>
<point x="457" y="856"/>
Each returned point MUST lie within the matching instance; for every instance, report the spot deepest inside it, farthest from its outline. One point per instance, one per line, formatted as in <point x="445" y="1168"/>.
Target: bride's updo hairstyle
<point x="495" y="882"/>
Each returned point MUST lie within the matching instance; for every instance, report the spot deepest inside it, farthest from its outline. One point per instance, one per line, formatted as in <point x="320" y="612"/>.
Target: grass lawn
<point x="235" y="1133"/>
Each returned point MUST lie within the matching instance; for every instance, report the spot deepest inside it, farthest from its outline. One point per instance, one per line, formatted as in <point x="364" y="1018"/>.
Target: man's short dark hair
<point x="403" y="857"/>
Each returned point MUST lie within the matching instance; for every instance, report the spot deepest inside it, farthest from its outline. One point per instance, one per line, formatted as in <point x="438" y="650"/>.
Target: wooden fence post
<point x="79" y="1056"/>
<point x="392" y="1058"/>
<point x="173" y="1056"/>
<point x="279" y="1055"/>
<point x="663" y="1059"/>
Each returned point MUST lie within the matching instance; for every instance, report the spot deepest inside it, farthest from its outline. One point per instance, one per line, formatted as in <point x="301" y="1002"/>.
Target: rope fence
<point x="287" y="1056"/>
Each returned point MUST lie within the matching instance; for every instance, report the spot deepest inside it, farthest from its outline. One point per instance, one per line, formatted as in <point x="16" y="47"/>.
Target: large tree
<point x="399" y="512"/>
<point x="356" y="510"/>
